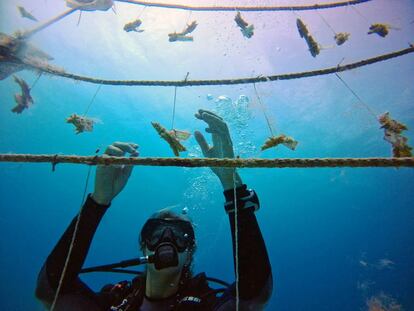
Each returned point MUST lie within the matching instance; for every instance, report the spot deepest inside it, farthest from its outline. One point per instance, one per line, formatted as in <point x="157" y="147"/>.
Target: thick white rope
<point x="210" y="162"/>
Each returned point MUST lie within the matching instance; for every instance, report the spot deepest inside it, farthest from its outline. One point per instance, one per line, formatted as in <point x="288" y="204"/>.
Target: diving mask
<point x="178" y="232"/>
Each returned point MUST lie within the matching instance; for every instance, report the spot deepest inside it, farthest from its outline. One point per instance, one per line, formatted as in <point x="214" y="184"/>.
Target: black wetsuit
<point x="255" y="277"/>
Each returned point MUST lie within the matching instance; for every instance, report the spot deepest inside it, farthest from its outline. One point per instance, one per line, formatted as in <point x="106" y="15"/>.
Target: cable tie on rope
<point x="339" y="64"/>
<point x="94" y="160"/>
<point x="54" y="162"/>
<point x="260" y="78"/>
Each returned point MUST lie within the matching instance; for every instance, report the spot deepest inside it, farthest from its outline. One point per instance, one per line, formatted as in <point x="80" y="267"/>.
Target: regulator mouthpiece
<point x="165" y="256"/>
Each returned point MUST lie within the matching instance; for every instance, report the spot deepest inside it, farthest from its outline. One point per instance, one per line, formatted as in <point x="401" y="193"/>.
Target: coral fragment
<point x="393" y="134"/>
<point x="246" y="29"/>
<point x="274" y="141"/>
<point x="170" y="138"/>
<point x="81" y="123"/>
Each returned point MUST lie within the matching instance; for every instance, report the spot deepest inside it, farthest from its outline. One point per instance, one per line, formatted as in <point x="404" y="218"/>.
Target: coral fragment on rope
<point x="380" y="29"/>
<point x="313" y="46"/>
<point x="393" y="134"/>
<point x="183" y="35"/>
<point x="274" y="141"/>
<point x="133" y="26"/>
<point x="341" y="37"/>
<point x="23" y="100"/>
<point x="246" y="29"/>
<point x="170" y="138"/>
<point x="81" y="123"/>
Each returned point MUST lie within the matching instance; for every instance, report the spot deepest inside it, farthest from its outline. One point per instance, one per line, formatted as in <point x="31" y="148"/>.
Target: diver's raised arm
<point x="109" y="181"/>
<point x="254" y="270"/>
<point x="50" y="276"/>
<point x="222" y="147"/>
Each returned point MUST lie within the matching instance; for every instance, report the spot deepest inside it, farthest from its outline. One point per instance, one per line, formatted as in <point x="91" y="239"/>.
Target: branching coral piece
<point x="313" y="46"/>
<point x="189" y="28"/>
<point x="341" y="37"/>
<point x="133" y="26"/>
<point x="246" y="29"/>
<point x="392" y="134"/>
<point x="280" y="139"/>
<point x="173" y="37"/>
<point x="303" y="30"/>
<point x="82" y="124"/>
<point x="175" y="145"/>
<point x="23" y="100"/>
<point x="380" y="29"/>
<point x="182" y="36"/>
<point x="391" y="124"/>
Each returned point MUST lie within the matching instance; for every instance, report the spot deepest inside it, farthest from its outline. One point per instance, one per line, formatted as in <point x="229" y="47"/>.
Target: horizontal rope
<point x="245" y="8"/>
<point x="182" y="83"/>
<point x="210" y="162"/>
<point x="29" y="33"/>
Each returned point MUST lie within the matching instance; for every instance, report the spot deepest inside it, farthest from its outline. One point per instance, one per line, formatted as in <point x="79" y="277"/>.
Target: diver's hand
<point x="111" y="179"/>
<point x="222" y="147"/>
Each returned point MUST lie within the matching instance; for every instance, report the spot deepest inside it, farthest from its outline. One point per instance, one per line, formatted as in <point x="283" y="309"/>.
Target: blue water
<point x="337" y="238"/>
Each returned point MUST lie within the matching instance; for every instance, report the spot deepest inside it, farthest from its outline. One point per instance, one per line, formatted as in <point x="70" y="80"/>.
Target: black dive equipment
<point x="164" y="257"/>
<point x="115" y="267"/>
<point x="166" y="238"/>
<point x="176" y="231"/>
<point x="250" y="201"/>
<point x="166" y="251"/>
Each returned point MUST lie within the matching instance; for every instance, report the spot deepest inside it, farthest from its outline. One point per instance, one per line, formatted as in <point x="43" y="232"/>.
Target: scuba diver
<point x="168" y="243"/>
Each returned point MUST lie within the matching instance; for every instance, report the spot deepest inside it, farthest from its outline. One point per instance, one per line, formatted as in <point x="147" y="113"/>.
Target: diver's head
<point x="169" y="239"/>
